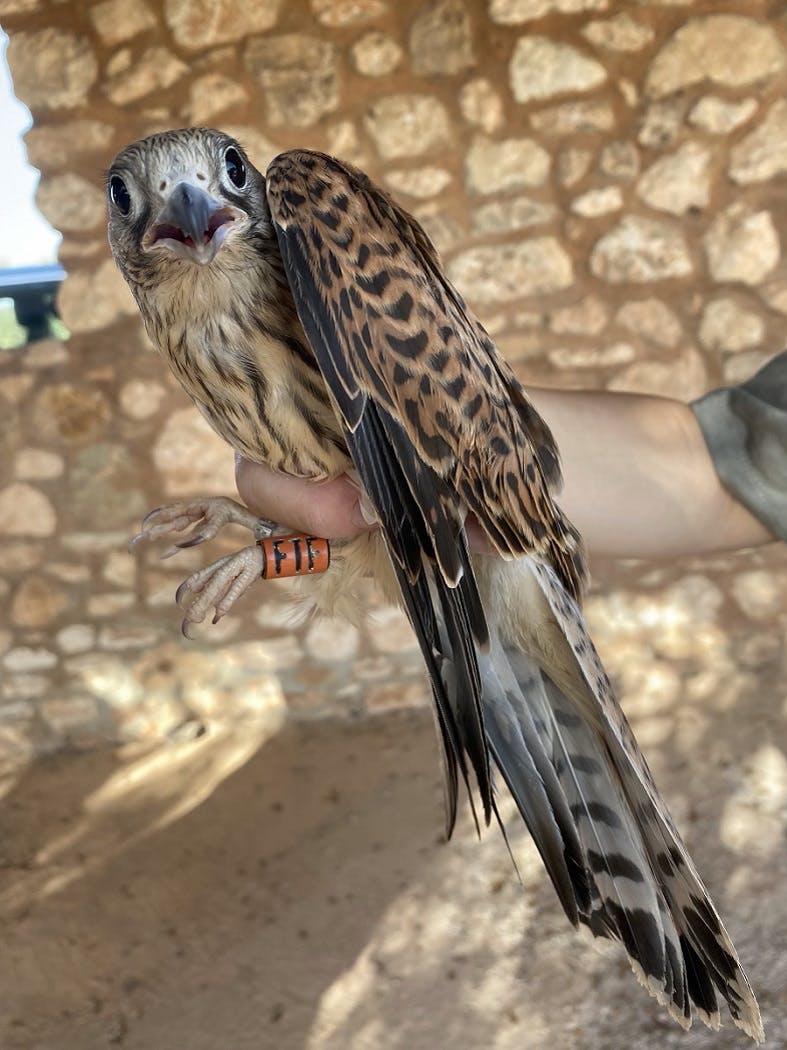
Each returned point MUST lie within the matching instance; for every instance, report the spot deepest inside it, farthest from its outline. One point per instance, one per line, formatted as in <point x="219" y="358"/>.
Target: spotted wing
<point x="397" y="333"/>
<point x="435" y="422"/>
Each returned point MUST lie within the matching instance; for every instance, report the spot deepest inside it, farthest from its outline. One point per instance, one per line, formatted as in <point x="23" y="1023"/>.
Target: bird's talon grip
<point x="294" y="555"/>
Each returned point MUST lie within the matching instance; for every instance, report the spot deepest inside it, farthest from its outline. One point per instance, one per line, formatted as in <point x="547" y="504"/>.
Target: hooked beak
<point x="192" y="224"/>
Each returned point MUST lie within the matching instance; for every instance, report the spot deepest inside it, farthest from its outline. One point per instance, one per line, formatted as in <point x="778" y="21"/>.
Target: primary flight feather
<point x="308" y="317"/>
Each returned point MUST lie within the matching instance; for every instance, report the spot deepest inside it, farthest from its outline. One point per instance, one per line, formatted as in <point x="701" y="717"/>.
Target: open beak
<point x="192" y="224"/>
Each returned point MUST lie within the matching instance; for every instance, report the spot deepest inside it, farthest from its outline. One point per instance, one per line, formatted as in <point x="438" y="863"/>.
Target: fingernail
<point x="360" y="519"/>
<point x="367" y="513"/>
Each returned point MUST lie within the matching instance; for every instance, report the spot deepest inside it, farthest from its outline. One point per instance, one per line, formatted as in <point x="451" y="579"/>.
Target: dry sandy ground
<point x="290" y="890"/>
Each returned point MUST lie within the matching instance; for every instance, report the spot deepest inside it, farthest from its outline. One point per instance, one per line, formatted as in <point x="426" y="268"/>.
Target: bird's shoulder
<point x="299" y="179"/>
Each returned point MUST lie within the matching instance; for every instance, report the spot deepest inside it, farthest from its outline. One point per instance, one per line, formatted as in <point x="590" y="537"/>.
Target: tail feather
<point x="607" y="838"/>
<point x="534" y="785"/>
<point x="711" y="959"/>
<point x="624" y="901"/>
<point x="627" y="895"/>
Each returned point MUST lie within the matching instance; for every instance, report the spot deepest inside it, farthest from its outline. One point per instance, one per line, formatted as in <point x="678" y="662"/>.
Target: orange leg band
<point x="294" y="555"/>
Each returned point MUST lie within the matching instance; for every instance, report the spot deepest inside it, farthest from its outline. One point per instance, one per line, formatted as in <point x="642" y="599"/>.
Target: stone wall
<point x="606" y="184"/>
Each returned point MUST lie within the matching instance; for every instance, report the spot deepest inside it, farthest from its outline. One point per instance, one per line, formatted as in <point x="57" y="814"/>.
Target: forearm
<point x="638" y="482"/>
<point x="638" y="479"/>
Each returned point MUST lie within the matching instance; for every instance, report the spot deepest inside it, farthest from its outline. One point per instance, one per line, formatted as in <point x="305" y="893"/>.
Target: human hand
<point x="331" y="509"/>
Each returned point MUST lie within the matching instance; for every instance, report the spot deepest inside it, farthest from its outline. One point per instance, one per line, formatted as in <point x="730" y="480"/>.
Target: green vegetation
<point x="12" y="334"/>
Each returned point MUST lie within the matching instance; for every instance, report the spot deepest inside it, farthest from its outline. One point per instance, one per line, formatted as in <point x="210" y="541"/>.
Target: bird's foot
<point x="207" y="516"/>
<point x="218" y="586"/>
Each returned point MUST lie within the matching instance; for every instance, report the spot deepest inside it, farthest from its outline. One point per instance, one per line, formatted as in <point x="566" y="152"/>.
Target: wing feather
<point x="378" y="453"/>
<point x="403" y="335"/>
<point x="435" y="421"/>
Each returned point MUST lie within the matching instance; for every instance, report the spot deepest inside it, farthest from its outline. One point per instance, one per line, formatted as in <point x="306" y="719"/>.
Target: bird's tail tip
<point x="749" y="1021"/>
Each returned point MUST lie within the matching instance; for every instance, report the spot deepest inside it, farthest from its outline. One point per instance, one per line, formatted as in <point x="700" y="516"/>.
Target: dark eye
<point x="236" y="169"/>
<point x="119" y="195"/>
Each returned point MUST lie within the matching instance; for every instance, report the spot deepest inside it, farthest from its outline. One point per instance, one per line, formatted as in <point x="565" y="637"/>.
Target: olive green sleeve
<point x="745" y="429"/>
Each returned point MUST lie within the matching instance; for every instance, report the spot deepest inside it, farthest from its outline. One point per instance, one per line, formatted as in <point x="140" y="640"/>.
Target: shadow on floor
<point x="304" y="900"/>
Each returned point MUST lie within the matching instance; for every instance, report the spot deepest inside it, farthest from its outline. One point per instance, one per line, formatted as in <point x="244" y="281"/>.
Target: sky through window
<point x="26" y="238"/>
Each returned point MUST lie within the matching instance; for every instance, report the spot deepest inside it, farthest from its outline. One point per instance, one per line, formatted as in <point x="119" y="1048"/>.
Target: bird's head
<point x="183" y="201"/>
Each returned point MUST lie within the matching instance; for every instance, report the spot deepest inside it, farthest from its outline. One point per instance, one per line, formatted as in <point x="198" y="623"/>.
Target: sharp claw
<point x="191" y="542"/>
<point x="180" y="592"/>
<point x="185" y="629"/>
<point x="148" y="516"/>
<point x="132" y="543"/>
<point x="170" y="552"/>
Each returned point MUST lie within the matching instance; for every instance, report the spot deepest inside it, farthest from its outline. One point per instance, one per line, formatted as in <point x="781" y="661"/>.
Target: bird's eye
<point x="236" y="169"/>
<point x="119" y="195"/>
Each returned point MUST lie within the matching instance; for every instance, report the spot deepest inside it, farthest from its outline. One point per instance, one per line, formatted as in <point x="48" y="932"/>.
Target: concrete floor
<point x="289" y="889"/>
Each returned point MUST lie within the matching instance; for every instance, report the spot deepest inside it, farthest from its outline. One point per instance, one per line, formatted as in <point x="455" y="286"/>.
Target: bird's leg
<point x="207" y="515"/>
<point x="218" y="586"/>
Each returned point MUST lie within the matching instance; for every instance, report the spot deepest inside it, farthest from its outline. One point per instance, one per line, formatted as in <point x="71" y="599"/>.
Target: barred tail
<point x="613" y="854"/>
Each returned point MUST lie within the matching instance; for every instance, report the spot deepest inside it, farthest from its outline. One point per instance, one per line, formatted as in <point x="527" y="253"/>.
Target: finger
<point x="324" y="508"/>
